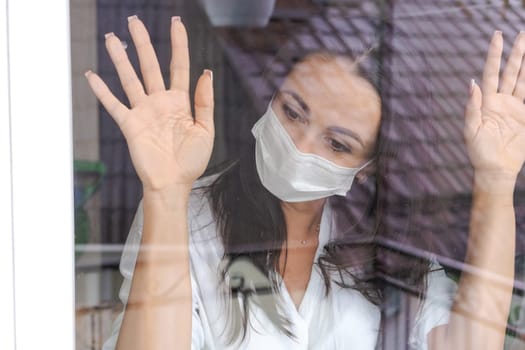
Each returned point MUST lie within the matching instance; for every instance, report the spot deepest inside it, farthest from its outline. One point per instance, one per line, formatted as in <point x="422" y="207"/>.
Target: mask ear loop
<point x="367" y="163"/>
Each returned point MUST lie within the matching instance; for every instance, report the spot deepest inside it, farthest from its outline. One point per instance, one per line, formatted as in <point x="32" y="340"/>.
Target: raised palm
<point x="167" y="145"/>
<point x="495" y="114"/>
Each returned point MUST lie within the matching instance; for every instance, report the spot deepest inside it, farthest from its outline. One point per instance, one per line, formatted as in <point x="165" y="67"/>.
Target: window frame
<point x="36" y="191"/>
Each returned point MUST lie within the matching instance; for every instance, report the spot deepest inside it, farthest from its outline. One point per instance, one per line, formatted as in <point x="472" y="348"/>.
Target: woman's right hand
<point x="168" y="147"/>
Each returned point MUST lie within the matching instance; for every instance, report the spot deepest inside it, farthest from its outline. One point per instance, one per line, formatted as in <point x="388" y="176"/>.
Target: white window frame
<point x="36" y="180"/>
<point x="7" y="316"/>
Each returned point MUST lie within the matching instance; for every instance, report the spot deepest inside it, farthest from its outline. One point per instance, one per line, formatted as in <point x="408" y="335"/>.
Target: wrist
<point x="171" y="197"/>
<point x="495" y="182"/>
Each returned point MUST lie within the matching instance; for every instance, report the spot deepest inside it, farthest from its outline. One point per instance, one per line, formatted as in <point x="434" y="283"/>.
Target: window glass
<point x="343" y="199"/>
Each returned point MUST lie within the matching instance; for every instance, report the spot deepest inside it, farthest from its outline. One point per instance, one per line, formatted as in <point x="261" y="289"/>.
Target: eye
<point x="291" y="113"/>
<point x="337" y="146"/>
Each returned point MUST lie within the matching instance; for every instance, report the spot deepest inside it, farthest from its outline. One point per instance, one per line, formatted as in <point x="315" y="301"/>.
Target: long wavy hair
<point x="252" y="226"/>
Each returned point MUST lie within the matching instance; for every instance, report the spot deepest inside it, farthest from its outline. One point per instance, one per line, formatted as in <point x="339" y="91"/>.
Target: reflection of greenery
<point x="517" y="310"/>
<point x="517" y="313"/>
<point x="453" y="274"/>
<point x="88" y="177"/>
<point x="516" y="317"/>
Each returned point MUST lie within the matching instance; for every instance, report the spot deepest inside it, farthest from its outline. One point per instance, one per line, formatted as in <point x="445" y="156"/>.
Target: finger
<point x="180" y="60"/>
<point x="473" y="111"/>
<point x="127" y="75"/>
<point x="204" y="100"/>
<point x="114" y="107"/>
<point x="512" y="69"/>
<point x="492" y="65"/>
<point x="519" y="89"/>
<point x="149" y="65"/>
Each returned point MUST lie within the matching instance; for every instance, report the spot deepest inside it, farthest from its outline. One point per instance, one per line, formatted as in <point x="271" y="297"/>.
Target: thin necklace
<point x="317" y="229"/>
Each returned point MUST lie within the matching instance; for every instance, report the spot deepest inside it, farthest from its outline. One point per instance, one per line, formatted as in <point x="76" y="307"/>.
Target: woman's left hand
<point x="495" y="114"/>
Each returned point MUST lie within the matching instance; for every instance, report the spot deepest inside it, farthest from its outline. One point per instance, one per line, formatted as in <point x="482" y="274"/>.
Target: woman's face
<point x="329" y="111"/>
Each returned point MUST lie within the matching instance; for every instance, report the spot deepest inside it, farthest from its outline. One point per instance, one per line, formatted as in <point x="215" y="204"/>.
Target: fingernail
<point x="498" y="32"/>
<point x="175" y="19"/>
<point x="472" y="84"/>
<point x="131" y="18"/>
<point x="209" y="73"/>
<point x="108" y="35"/>
<point x="88" y="73"/>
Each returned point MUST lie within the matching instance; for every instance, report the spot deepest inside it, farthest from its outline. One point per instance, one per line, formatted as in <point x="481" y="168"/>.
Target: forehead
<point x="331" y="81"/>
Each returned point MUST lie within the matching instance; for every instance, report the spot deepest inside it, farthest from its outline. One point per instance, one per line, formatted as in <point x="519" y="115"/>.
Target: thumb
<point x="473" y="110"/>
<point x="204" y="100"/>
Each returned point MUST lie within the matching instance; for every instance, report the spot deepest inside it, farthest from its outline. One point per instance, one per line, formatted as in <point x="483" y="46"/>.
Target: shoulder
<point x="357" y="320"/>
<point x="439" y="284"/>
<point x="435" y="307"/>
<point x="205" y="242"/>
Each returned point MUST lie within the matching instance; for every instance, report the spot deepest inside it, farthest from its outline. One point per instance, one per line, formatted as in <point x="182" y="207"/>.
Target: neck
<point x="302" y="218"/>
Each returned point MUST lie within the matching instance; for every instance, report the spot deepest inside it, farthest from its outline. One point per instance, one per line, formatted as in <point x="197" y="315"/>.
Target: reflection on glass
<point x="311" y="189"/>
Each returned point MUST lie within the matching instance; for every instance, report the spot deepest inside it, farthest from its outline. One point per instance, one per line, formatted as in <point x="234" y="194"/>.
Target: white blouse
<point x="343" y="319"/>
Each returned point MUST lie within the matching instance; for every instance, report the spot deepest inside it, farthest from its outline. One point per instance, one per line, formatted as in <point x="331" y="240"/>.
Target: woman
<point x="324" y="120"/>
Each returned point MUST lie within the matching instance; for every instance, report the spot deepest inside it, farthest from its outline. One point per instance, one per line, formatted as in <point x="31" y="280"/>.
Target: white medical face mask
<point x="291" y="175"/>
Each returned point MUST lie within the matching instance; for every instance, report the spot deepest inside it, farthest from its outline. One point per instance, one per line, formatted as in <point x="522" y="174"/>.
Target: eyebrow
<point x="347" y="132"/>
<point x="299" y="100"/>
